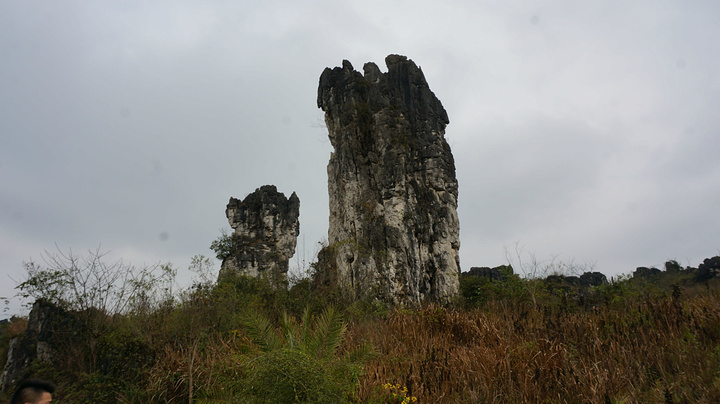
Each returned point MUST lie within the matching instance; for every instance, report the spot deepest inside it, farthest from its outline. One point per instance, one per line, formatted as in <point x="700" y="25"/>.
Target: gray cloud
<point x="581" y="129"/>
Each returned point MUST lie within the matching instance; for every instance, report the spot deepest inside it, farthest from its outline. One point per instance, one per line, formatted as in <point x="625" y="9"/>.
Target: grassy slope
<point x="632" y="341"/>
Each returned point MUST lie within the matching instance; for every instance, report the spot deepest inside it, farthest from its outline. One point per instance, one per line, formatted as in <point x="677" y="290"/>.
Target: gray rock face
<point x="644" y="272"/>
<point x="500" y="273"/>
<point x="592" y="279"/>
<point x="35" y="345"/>
<point x="391" y="178"/>
<point x="710" y="268"/>
<point x="266" y="227"/>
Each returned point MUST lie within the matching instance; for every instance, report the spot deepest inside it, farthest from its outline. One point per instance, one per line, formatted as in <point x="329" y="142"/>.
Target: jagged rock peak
<point x="391" y="179"/>
<point x="265" y="229"/>
<point x="403" y="86"/>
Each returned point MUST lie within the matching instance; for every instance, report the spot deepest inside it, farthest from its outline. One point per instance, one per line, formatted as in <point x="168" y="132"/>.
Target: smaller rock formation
<point x="673" y="267"/>
<point x="265" y="229"/>
<point x="562" y="280"/>
<point x="710" y="268"/>
<point x="592" y="279"/>
<point x="501" y="273"/>
<point x="36" y="344"/>
<point x="645" y="272"/>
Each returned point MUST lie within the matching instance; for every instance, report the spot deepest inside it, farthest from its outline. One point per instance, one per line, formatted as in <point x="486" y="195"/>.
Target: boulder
<point x="592" y="279"/>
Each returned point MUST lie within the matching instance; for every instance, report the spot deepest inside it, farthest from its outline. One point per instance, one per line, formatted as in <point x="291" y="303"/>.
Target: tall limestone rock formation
<point x="393" y="192"/>
<point x="266" y="227"/>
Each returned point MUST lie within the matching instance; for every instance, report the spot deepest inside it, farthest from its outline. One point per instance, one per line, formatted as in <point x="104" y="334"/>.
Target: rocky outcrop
<point x="562" y="280"/>
<point x="391" y="179"/>
<point x="673" y="266"/>
<point x="710" y="268"/>
<point x="501" y="273"/>
<point x="645" y="272"/>
<point x="37" y="343"/>
<point x="265" y="229"/>
<point x="592" y="279"/>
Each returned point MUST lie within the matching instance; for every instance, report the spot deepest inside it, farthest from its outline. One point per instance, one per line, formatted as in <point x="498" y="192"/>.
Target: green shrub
<point x="222" y="246"/>
<point x="476" y="291"/>
<point x="301" y="362"/>
<point x="291" y="375"/>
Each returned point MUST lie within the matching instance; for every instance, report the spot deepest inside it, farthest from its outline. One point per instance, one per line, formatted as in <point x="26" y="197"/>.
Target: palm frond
<point x="305" y="331"/>
<point x="289" y="330"/>
<point x="328" y="332"/>
<point x="261" y="331"/>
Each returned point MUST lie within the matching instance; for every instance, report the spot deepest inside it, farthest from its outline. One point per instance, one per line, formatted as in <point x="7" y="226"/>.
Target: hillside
<point x="654" y="337"/>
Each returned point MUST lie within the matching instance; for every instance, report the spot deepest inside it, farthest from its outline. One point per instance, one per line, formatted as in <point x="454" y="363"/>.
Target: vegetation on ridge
<point x="652" y="338"/>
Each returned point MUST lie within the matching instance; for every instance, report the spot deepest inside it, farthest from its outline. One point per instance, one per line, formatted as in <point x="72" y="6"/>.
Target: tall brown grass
<point x="625" y="342"/>
<point x="655" y="349"/>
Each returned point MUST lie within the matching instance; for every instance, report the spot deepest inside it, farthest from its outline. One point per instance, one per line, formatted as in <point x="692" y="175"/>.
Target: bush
<point x="301" y="363"/>
<point x="83" y="282"/>
<point x="292" y="376"/>
<point x="476" y="291"/>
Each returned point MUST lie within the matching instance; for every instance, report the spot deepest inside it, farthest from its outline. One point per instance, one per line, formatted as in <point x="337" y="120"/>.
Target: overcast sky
<point x="586" y="131"/>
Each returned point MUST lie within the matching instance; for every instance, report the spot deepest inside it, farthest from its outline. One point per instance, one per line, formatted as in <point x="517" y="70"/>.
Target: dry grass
<point x="638" y="344"/>
<point x="183" y="372"/>
<point x="652" y="350"/>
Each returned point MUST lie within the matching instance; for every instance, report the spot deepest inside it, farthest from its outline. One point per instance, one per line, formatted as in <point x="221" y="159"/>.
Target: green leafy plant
<point x="300" y="361"/>
<point x="223" y="245"/>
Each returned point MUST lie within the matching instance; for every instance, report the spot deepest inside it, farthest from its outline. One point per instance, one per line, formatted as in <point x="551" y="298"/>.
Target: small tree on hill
<point x="94" y="290"/>
<point x="82" y="282"/>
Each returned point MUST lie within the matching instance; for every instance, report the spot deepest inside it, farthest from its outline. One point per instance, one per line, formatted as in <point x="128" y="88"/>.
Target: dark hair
<point x="30" y="391"/>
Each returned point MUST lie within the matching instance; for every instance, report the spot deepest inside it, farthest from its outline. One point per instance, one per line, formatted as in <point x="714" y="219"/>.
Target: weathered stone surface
<point x="710" y="268"/>
<point x="265" y="229"/>
<point x="672" y="266"/>
<point x="592" y="279"/>
<point x="391" y="178"/>
<point x="501" y="273"/>
<point x="644" y="272"/>
<point x="562" y="280"/>
<point x="36" y="344"/>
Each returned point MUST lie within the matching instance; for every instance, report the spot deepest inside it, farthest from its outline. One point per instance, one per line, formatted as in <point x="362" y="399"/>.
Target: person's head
<point x="33" y="391"/>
